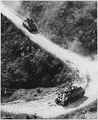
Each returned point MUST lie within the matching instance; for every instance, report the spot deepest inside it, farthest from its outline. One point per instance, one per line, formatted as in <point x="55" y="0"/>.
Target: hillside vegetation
<point x="25" y="65"/>
<point x="28" y="72"/>
<point x="71" y="24"/>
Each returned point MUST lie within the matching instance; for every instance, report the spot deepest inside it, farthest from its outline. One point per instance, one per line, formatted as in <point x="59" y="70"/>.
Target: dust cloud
<point x="86" y="67"/>
<point x="16" y="8"/>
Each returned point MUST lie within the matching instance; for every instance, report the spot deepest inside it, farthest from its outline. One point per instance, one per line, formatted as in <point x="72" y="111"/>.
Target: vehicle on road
<point x="69" y="95"/>
<point x="30" y="25"/>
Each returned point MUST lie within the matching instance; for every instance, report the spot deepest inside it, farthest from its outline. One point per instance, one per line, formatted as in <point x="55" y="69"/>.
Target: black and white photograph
<point x="49" y="59"/>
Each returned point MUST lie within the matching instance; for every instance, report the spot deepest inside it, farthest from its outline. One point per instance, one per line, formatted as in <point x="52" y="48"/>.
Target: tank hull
<point x="72" y="97"/>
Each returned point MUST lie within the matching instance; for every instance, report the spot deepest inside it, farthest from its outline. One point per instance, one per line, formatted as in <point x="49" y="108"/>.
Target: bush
<point x="62" y="22"/>
<point x="39" y="90"/>
<point x="24" y="64"/>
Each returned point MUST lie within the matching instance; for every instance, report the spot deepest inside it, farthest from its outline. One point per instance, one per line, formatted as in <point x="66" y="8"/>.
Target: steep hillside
<point x="25" y="65"/>
<point x="31" y="77"/>
<point x="69" y="24"/>
<point x="73" y="25"/>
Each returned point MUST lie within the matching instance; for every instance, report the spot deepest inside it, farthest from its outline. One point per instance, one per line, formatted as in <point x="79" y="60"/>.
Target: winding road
<point x="46" y="107"/>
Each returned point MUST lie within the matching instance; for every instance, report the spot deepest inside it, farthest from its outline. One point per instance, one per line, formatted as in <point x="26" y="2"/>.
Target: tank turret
<point x="30" y="25"/>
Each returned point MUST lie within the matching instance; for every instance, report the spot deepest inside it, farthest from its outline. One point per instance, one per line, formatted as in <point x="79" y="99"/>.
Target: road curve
<point x="46" y="108"/>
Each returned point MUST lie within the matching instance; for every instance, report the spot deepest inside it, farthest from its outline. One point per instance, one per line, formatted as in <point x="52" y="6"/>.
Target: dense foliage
<point x="71" y="24"/>
<point x="24" y="64"/>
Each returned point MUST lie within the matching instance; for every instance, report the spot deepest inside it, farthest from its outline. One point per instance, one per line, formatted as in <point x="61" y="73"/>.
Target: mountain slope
<point x="66" y="56"/>
<point x="68" y="23"/>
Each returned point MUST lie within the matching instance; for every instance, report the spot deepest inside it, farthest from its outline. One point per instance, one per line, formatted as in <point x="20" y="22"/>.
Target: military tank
<point x="69" y="95"/>
<point x="30" y="25"/>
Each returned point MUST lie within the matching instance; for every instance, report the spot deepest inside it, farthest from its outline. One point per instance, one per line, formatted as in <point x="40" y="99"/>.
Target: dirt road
<point x="46" y="107"/>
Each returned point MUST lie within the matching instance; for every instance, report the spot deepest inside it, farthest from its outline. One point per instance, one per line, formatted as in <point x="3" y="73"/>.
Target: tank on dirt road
<point x="30" y="25"/>
<point x="69" y="95"/>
